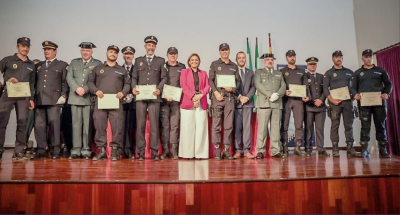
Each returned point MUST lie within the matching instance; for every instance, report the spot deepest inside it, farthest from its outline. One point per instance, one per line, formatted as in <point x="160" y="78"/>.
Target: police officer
<point x="149" y="70"/>
<point x="51" y="94"/>
<point x="336" y="77"/>
<point x="315" y="108"/>
<point x="293" y="75"/>
<point x="109" y="78"/>
<point x="270" y="86"/>
<point x="16" y="68"/>
<point x="370" y="78"/>
<point x="169" y="115"/>
<point x="244" y="108"/>
<point x="129" y="106"/>
<point x="79" y="99"/>
<point x="223" y="101"/>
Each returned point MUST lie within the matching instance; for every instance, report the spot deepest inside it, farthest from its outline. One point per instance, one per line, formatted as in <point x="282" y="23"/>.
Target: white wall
<point x="310" y="27"/>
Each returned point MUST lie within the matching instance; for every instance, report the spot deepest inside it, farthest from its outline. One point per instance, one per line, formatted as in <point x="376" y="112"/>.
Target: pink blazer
<point x="188" y="89"/>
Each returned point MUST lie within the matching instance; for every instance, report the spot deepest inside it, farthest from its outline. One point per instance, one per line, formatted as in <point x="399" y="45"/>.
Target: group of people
<point x="182" y="125"/>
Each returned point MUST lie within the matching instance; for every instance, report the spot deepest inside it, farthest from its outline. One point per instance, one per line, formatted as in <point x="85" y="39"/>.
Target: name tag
<point x="379" y="73"/>
<point x="348" y="74"/>
<point x="300" y="73"/>
<point x="118" y="72"/>
<point x="232" y="69"/>
<point x="29" y="69"/>
<point x="91" y="67"/>
<point x="278" y="75"/>
<point x="178" y="70"/>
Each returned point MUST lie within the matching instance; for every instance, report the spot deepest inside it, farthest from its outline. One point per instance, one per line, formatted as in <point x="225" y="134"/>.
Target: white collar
<point x="86" y="61"/>
<point x="51" y="60"/>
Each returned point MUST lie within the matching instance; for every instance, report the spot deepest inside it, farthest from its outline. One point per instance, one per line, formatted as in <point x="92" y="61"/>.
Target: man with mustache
<point x="149" y="70"/>
<point x="223" y="101"/>
<point x="79" y="99"/>
<point x="109" y="78"/>
<point x="270" y="86"/>
<point x="16" y="68"/>
<point x="129" y="106"/>
<point x="336" y="77"/>
<point x="293" y="75"/>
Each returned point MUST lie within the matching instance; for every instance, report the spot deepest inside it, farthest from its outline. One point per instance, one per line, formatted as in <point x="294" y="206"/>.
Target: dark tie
<point x="128" y="68"/>
<point x="85" y="63"/>
<point x="242" y="75"/>
<point x="48" y="63"/>
<point x="149" y="60"/>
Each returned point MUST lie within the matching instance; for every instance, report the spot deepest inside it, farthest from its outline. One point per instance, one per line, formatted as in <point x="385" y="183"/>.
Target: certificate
<point x="226" y="81"/>
<point x="371" y="99"/>
<point x="109" y="101"/>
<point x="341" y="93"/>
<point x="171" y="92"/>
<point x="20" y="89"/>
<point x="146" y="92"/>
<point x="297" y="90"/>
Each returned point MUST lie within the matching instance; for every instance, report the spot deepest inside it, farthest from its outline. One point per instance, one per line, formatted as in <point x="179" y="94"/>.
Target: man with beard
<point x="223" y="101"/>
<point x="149" y="70"/>
<point x="370" y="78"/>
<point x="336" y="77"/>
<point x="79" y="99"/>
<point x="129" y="107"/>
<point x="270" y="87"/>
<point x="51" y="94"/>
<point x="109" y="78"/>
<point x="169" y="115"/>
<point x="244" y="108"/>
<point x="293" y="75"/>
<point x="16" y="68"/>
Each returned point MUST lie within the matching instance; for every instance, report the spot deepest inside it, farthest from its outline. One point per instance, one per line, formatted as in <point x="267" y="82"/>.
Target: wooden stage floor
<point x="315" y="185"/>
<point x="192" y="171"/>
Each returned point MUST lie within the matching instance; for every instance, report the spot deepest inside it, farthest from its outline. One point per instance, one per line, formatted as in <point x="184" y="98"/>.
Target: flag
<point x="256" y="55"/>
<point x="270" y="47"/>
<point x="249" y="62"/>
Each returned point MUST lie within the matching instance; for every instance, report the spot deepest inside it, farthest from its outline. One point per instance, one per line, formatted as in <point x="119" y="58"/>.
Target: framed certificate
<point x="146" y="92"/>
<point x="109" y="101"/>
<point x="226" y="81"/>
<point x="371" y="99"/>
<point x="341" y="93"/>
<point x="20" y="89"/>
<point x="297" y="90"/>
<point x="171" y="92"/>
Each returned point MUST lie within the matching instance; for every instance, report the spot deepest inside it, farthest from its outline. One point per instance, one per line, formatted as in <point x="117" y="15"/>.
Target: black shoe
<point x="335" y="149"/>
<point x="73" y="156"/>
<point x="383" y="153"/>
<point x="174" y="151"/>
<point x="260" y="155"/>
<point x="56" y="156"/>
<point x="114" y="154"/>
<point x="164" y="155"/>
<point x="86" y="156"/>
<point x="217" y="152"/>
<point x="38" y="156"/>
<point x="155" y="158"/>
<point x="285" y="149"/>
<point x="101" y="155"/>
<point x="351" y="152"/>
<point x="227" y="155"/>
<point x="279" y="155"/>
<point x="64" y="151"/>
<point x="324" y="153"/>
<point x="297" y="150"/>
<point x="365" y="149"/>
<point x="1" y="155"/>
<point x="18" y="156"/>
<point x="308" y="154"/>
<point x="141" y="158"/>
<point x="131" y="156"/>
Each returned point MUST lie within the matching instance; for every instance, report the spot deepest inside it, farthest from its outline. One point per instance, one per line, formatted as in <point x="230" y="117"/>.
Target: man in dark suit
<point x="148" y="70"/>
<point x="316" y="109"/>
<point x="244" y="108"/>
<point x="129" y="107"/>
<point x="51" y="94"/>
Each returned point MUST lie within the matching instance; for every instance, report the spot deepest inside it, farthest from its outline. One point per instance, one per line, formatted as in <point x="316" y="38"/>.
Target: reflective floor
<point x="183" y="171"/>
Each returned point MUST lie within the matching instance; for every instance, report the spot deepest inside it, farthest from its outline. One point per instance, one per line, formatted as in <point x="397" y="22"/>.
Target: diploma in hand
<point x="297" y="90"/>
<point x="371" y="99"/>
<point x="146" y="92"/>
<point x="226" y="81"/>
<point x="171" y="92"/>
<point x="341" y="93"/>
<point x="20" y="89"/>
<point x="109" y="101"/>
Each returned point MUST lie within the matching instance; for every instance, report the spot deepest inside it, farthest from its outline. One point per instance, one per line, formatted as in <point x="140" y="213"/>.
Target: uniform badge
<point x="39" y="67"/>
<point x="141" y="64"/>
<point x="102" y="71"/>
<point x="91" y="71"/>
<point x="334" y="75"/>
<point x="219" y="68"/>
<point x="362" y="74"/>
<point x="15" y="66"/>
<point x="210" y="69"/>
<point x="286" y="74"/>
<point x="309" y="80"/>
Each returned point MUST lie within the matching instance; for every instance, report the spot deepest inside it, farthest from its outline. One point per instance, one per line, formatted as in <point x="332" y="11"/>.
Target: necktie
<point x="271" y="71"/>
<point x="48" y="63"/>
<point x="85" y="63"/>
<point x="242" y="74"/>
<point x="128" y="68"/>
<point x="149" y="60"/>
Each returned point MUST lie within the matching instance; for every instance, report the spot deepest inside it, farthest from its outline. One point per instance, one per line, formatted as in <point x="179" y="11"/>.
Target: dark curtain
<point x="389" y="60"/>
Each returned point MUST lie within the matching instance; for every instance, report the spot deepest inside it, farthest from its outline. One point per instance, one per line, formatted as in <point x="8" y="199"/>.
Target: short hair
<point x="194" y="54"/>
<point x="239" y="53"/>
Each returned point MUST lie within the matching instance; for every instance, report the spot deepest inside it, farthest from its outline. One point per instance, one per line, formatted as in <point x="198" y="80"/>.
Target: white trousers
<point x="193" y="141"/>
